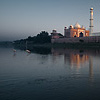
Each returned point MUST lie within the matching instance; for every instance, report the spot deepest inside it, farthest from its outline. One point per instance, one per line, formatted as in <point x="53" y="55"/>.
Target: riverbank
<point x="60" y="45"/>
<point x="6" y="44"/>
<point x="76" y="45"/>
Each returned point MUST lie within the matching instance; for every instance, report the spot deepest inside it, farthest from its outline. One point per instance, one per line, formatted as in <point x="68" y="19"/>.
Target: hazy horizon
<point x="23" y="18"/>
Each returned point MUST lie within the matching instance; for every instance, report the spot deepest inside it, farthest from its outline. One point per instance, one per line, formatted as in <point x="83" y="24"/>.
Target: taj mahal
<point x="76" y="33"/>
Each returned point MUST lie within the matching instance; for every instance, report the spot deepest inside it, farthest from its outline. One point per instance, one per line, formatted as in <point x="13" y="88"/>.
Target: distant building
<point x="75" y="31"/>
<point x="56" y="35"/>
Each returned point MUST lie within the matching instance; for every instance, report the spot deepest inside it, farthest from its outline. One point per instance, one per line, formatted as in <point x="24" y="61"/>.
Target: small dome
<point x="91" y="8"/>
<point x="71" y="26"/>
<point x="65" y="27"/>
<point x="77" y="25"/>
<point x="54" y="31"/>
<point x="83" y="27"/>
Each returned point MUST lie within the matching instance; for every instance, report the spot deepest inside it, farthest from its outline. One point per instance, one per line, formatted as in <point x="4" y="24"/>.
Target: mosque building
<point x="75" y="31"/>
<point x="72" y="31"/>
<point x="77" y="34"/>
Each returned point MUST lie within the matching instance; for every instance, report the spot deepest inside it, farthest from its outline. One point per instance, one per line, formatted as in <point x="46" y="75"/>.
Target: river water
<point x="59" y="74"/>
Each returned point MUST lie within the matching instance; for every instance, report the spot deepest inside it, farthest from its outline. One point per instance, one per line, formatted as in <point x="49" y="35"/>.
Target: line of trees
<point x="41" y="38"/>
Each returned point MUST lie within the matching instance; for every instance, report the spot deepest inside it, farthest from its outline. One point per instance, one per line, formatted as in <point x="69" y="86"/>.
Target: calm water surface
<point x="64" y="74"/>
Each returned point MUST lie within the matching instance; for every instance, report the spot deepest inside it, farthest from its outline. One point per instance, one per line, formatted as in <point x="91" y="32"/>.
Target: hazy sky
<point x="23" y="18"/>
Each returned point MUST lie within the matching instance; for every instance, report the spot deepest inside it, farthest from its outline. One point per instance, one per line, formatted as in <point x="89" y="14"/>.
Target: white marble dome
<point x="83" y="27"/>
<point x="71" y="26"/>
<point x="91" y="8"/>
<point x="77" y="25"/>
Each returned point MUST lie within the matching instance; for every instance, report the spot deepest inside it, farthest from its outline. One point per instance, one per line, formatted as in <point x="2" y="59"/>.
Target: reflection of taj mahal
<point x="74" y="57"/>
<point x="76" y="31"/>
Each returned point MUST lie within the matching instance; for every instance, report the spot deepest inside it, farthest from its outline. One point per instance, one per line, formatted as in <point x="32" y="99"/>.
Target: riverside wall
<point x="90" y="39"/>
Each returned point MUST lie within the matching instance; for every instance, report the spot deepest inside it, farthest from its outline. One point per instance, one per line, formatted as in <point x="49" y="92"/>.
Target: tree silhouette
<point x="41" y="38"/>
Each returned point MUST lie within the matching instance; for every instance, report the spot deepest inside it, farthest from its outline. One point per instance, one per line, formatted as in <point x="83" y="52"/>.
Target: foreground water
<point x="63" y="74"/>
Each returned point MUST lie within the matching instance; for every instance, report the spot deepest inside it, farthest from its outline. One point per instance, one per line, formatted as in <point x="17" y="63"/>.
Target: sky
<point x="22" y="18"/>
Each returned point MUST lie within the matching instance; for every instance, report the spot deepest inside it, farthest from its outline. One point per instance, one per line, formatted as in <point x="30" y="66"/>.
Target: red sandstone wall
<point x="77" y="39"/>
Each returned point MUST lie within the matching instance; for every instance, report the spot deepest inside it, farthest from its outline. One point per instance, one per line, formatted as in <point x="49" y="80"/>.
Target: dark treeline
<point x="6" y="44"/>
<point x="41" y="38"/>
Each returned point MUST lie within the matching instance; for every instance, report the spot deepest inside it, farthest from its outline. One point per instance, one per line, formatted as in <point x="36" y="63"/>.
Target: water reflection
<point x="91" y="69"/>
<point x="66" y="73"/>
<point x="14" y="54"/>
<point x="39" y="50"/>
<point x="72" y="56"/>
<point x="77" y="58"/>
